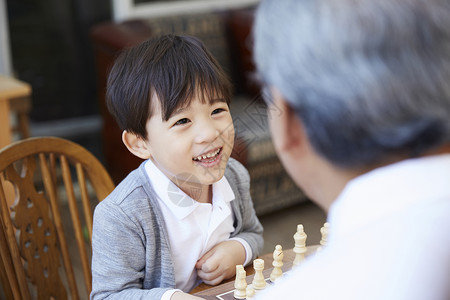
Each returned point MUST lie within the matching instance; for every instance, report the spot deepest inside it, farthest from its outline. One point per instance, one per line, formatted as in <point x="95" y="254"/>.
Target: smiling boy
<point x="185" y="215"/>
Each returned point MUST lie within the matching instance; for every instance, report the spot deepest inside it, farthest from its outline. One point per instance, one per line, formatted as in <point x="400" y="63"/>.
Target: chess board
<point x="225" y="291"/>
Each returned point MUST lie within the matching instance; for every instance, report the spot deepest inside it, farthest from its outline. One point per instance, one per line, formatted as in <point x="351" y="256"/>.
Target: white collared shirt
<point x="389" y="239"/>
<point x="193" y="228"/>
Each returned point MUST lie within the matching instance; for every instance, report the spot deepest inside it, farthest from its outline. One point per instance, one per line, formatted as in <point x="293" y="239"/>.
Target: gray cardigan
<point x="131" y="255"/>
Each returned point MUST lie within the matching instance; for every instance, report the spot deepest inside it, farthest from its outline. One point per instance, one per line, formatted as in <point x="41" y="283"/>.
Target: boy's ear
<point x="136" y="145"/>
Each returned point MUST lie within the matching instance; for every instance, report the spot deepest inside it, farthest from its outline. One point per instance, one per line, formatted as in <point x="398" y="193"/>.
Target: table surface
<point x="11" y="87"/>
<point x="228" y="285"/>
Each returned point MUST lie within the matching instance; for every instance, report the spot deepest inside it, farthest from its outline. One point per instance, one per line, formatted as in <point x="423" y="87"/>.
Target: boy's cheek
<point x="229" y="135"/>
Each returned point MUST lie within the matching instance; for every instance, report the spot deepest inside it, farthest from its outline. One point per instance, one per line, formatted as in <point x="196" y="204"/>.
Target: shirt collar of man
<point x="179" y="203"/>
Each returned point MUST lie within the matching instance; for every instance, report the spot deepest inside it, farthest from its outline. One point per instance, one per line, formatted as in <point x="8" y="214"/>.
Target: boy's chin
<point x="211" y="175"/>
<point x="211" y="178"/>
<point x="201" y="177"/>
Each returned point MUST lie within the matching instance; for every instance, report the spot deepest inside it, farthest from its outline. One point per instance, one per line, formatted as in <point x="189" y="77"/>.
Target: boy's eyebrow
<point x="216" y="100"/>
<point x="182" y="109"/>
<point x="177" y="111"/>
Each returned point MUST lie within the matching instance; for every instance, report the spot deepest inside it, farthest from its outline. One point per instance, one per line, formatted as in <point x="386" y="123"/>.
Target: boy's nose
<point x="207" y="133"/>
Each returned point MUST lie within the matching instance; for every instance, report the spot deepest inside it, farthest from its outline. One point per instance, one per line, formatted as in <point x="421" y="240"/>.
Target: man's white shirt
<point x="388" y="239"/>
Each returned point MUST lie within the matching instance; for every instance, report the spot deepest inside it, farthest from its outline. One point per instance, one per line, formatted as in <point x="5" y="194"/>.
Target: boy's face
<point x="193" y="146"/>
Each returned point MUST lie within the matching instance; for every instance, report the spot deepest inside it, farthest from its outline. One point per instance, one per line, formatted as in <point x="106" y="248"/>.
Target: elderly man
<point x="362" y="91"/>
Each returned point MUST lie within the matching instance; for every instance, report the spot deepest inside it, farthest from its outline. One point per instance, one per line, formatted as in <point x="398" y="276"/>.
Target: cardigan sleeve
<point x="119" y="256"/>
<point x="247" y="225"/>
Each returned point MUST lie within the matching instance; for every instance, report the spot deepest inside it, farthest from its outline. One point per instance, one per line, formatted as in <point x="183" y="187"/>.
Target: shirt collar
<point x="388" y="190"/>
<point x="178" y="202"/>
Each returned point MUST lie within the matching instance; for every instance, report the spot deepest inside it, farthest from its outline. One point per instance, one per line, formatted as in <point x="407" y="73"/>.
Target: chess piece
<point x="258" y="282"/>
<point x="300" y="245"/>
<point x="239" y="267"/>
<point x="324" y="233"/>
<point x="250" y="292"/>
<point x="277" y="263"/>
<point x="240" y="284"/>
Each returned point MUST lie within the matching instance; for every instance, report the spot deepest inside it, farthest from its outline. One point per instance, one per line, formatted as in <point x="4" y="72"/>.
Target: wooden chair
<point x="39" y="177"/>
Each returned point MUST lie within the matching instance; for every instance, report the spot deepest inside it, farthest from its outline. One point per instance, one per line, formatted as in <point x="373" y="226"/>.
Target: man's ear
<point x="287" y="128"/>
<point x="136" y="145"/>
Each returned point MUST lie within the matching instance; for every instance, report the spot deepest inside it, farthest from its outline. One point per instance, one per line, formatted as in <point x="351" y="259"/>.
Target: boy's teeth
<point x="209" y="155"/>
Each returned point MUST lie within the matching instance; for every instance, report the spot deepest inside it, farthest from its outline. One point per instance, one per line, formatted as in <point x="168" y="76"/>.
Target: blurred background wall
<point x="51" y="50"/>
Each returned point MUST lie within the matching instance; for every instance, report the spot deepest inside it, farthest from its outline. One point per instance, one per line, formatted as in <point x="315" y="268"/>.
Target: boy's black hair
<point x="172" y="68"/>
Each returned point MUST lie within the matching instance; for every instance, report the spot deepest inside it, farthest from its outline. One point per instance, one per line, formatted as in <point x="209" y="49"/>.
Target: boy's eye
<point x="218" y="110"/>
<point x="182" y="121"/>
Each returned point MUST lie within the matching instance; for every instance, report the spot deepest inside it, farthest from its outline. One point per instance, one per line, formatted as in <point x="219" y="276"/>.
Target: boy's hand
<point x="220" y="262"/>
<point x="183" y="296"/>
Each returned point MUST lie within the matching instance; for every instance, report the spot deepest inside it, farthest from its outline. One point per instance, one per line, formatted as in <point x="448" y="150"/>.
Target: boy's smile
<point x="209" y="158"/>
<point x="194" y="144"/>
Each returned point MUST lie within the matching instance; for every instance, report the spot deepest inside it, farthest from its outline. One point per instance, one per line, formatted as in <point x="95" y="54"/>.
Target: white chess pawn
<point x="300" y="245"/>
<point x="277" y="263"/>
<point x="324" y="233"/>
<point x="250" y="292"/>
<point x="240" y="284"/>
<point x="258" y="282"/>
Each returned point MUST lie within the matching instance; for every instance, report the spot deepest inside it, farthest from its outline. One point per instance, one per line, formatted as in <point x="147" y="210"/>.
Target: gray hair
<point x="368" y="79"/>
